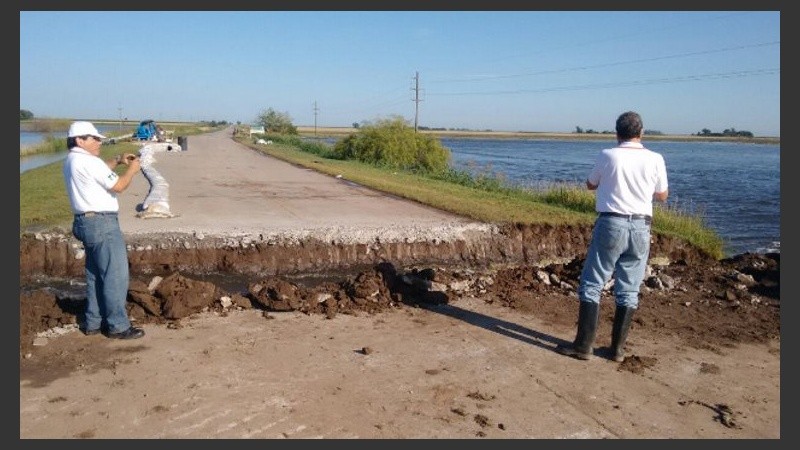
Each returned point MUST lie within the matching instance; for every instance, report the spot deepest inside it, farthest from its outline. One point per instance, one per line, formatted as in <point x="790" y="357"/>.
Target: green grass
<point x="43" y="197"/>
<point x="50" y="144"/>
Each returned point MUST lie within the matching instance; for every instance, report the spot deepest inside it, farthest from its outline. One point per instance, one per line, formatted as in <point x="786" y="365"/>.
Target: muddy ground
<point x="712" y="304"/>
<point x="721" y="318"/>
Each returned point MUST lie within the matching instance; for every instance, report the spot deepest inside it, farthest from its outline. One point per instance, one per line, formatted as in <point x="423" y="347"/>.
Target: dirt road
<point x="463" y="370"/>
<point x="704" y="358"/>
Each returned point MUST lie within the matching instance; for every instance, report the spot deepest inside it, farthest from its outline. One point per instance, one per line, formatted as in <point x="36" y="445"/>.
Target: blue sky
<point x="499" y="70"/>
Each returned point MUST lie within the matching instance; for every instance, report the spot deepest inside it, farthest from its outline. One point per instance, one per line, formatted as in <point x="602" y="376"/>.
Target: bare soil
<point x="715" y="305"/>
<point x="281" y="303"/>
<point x="409" y="352"/>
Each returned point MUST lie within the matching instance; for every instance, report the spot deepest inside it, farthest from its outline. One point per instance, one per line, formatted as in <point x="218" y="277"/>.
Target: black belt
<point x="647" y="218"/>
<point x="96" y="213"/>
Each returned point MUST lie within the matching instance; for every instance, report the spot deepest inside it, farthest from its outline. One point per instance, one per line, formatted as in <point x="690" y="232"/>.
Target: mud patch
<point x="637" y="364"/>
<point x="687" y="304"/>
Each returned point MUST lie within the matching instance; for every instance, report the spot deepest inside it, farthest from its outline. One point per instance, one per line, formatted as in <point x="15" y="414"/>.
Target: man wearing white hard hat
<point x="92" y="187"/>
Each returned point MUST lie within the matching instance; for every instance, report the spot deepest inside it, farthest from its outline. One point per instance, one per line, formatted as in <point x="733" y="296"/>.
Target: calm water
<point x="734" y="187"/>
<point x="27" y="138"/>
<point x="30" y="138"/>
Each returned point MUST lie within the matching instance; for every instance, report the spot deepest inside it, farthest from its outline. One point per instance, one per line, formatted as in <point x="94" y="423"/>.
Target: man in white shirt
<point x="92" y="187"/>
<point x="627" y="179"/>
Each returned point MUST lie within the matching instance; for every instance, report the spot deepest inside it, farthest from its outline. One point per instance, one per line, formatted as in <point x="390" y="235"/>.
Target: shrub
<point x="276" y="122"/>
<point x="393" y="143"/>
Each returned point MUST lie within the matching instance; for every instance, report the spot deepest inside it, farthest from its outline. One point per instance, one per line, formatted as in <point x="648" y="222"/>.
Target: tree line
<point x="727" y="132"/>
<point x="730" y="132"/>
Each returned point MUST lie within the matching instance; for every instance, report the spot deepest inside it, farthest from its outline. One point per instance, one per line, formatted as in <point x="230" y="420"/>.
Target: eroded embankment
<point x="58" y="254"/>
<point x="529" y="268"/>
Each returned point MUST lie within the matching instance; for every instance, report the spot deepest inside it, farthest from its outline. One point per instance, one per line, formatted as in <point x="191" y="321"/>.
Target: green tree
<point x="24" y="114"/>
<point x="276" y="122"/>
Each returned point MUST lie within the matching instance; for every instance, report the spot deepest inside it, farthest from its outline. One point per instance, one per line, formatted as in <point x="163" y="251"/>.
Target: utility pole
<point x="119" y="110"/>
<point x="315" y="118"/>
<point x="416" y="100"/>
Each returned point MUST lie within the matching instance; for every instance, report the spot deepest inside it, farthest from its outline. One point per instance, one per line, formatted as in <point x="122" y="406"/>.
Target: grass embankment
<point x="484" y="197"/>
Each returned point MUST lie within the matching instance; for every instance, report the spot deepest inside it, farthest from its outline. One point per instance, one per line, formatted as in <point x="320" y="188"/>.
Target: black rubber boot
<point x="619" y="331"/>
<point x="581" y="348"/>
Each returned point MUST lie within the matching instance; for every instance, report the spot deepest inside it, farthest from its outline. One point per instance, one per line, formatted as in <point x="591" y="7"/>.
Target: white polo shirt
<point x="627" y="176"/>
<point x="89" y="181"/>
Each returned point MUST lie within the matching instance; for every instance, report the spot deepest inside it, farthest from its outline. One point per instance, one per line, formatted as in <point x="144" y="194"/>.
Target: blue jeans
<point x="107" y="273"/>
<point x="619" y="247"/>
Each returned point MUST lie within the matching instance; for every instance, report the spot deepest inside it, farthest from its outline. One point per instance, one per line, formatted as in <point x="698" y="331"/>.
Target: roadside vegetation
<point x="276" y="122"/>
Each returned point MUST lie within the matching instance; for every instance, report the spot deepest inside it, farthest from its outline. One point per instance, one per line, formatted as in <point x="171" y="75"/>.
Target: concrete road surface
<point x="218" y="187"/>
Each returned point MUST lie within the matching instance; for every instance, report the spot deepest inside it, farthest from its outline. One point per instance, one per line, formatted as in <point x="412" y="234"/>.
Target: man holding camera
<point x="92" y="186"/>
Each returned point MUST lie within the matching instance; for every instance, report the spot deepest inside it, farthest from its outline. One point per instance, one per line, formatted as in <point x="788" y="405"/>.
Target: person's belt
<point x="647" y="218"/>
<point x="96" y="213"/>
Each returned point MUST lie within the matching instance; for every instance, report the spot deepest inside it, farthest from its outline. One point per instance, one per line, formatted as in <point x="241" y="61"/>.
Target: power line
<point x="402" y="98"/>
<point x="712" y="76"/>
<point x="637" y="34"/>
<point x="597" y="66"/>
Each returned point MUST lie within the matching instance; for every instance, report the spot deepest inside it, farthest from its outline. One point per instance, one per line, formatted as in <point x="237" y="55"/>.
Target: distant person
<point x="92" y="187"/>
<point x="627" y="179"/>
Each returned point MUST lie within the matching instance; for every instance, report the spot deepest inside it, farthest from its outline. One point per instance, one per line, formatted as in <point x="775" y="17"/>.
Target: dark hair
<point x="629" y="125"/>
<point x="72" y="142"/>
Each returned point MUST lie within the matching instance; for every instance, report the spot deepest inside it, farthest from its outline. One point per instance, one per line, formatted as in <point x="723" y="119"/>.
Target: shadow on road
<point x="503" y="327"/>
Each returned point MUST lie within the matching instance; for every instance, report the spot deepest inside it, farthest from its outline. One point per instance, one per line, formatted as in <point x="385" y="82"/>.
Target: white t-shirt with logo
<point x="627" y="176"/>
<point x="89" y="180"/>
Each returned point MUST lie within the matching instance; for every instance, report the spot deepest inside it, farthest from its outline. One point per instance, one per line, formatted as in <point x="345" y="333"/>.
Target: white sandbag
<point x="156" y="204"/>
